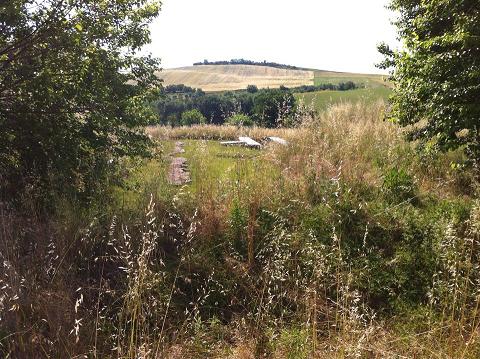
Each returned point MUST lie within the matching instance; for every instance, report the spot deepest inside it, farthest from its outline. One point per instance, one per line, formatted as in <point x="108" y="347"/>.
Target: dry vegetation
<point x="235" y="77"/>
<point x="212" y="132"/>
<point x="322" y="249"/>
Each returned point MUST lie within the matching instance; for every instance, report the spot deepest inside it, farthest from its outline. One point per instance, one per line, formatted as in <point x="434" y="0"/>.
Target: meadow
<point x="368" y="80"/>
<point x="128" y="231"/>
<point x="322" y="100"/>
<point x="346" y="243"/>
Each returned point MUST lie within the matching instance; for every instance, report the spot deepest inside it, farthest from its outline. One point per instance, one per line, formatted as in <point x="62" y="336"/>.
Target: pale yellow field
<point x="235" y="77"/>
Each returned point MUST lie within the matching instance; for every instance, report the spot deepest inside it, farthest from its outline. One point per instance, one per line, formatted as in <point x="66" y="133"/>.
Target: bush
<point x="239" y="120"/>
<point x="69" y="115"/>
<point x="398" y="185"/>
<point x="192" y="117"/>
<point x="274" y="108"/>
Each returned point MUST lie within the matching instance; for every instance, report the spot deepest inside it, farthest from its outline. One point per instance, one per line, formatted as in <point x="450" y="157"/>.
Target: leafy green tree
<point x="252" y="89"/>
<point x="213" y="108"/>
<point x="273" y="108"/>
<point x="192" y="117"/>
<point x="74" y="97"/>
<point x="239" y="119"/>
<point x="437" y="74"/>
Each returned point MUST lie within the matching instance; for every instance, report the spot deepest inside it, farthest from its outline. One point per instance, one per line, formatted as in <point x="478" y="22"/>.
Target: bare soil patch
<point x="178" y="174"/>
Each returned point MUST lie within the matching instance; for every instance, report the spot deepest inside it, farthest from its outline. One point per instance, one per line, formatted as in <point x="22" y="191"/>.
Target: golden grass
<point x="213" y="78"/>
<point x="212" y="132"/>
<point x="347" y="139"/>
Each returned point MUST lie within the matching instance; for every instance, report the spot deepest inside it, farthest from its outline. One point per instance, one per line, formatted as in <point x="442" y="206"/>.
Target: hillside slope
<point x="322" y="100"/>
<point x="212" y="78"/>
<point x="368" y="80"/>
<point x="235" y="77"/>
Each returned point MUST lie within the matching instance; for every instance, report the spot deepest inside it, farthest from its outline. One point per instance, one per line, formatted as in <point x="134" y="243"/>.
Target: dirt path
<point x="178" y="174"/>
<point x="178" y="148"/>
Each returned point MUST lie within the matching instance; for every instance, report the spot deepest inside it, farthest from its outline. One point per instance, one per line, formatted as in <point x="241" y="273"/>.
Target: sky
<point x="336" y="35"/>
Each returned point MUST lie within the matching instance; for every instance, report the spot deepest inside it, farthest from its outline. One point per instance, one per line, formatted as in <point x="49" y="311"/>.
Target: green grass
<point x="322" y="100"/>
<point x="376" y="87"/>
<point x="214" y="168"/>
<point x="219" y="169"/>
<point x="148" y="177"/>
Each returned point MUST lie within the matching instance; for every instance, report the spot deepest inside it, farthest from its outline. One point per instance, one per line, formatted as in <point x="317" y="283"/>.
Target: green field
<point x="367" y="80"/>
<point x="322" y="100"/>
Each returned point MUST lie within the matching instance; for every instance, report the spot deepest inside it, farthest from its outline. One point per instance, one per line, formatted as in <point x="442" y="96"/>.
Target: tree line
<point x="248" y="62"/>
<point x="182" y="105"/>
<point x="341" y="86"/>
<point x="266" y="107"/>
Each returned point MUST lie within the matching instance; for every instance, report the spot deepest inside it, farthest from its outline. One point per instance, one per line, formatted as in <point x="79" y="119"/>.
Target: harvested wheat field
<point x="235" y="77"/>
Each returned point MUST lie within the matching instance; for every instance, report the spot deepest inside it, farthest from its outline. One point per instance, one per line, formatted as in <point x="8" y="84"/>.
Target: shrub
<point x="239" y="119"/>
<point x="192" y="117"/>
<point x="398" y="185"/>
<point x="69" y="115"/>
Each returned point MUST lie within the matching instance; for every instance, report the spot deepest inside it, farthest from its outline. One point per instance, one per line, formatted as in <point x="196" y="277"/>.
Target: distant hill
<point x="235" y="77"/>
<point x="212" y="78"/>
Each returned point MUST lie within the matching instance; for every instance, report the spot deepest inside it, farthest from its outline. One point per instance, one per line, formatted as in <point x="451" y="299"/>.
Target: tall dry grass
<point x="348" y="140"/>
<point x="213" y="132"/>
<point x="257" y="265"/>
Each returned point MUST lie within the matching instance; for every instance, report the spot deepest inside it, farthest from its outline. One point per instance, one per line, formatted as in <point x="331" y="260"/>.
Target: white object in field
<point x="277" y="140"/>
<point x="250" y="142"/>
<point x="232" y="143"/>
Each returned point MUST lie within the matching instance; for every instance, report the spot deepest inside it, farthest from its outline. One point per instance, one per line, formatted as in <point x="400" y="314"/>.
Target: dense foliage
<point x="341" y="86"/>
<point x="270" y="108"/>
<point x="265" y="107"/>
<point x="437" y="73"/>
<point x="239" y="119"/>
<point x="72" y="93"/>
<point x="192" y="117"/>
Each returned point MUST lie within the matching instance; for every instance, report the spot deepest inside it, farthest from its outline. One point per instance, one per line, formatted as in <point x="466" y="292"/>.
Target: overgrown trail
<point x="178" y="174"/>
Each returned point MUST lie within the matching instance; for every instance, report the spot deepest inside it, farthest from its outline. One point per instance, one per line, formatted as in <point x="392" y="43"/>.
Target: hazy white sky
<point x="339" y="35"/>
